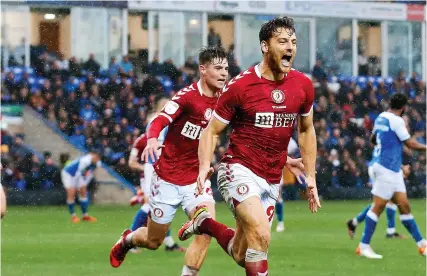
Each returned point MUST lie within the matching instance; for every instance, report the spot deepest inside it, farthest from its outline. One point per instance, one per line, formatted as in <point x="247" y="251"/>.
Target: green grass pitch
<point x="43" y="241"/>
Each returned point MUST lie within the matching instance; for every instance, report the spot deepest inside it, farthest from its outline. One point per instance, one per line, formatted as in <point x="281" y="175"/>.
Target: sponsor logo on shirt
<point x="274" y="120"/>
<point x="191" y="131"/>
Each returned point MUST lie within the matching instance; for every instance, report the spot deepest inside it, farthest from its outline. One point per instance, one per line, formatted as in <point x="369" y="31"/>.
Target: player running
<point x="76" y="175"/>
<point x="135" y="157"/>
<point x="262" y="104"/>
<point x="174" y="179"/>
<point x="388" y="136"/>
<point x="391" y="209"/>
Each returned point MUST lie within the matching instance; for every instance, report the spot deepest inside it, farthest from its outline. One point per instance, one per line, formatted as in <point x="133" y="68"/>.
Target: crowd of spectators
<point x="22" y="169"/>
<point x="108" y="109"/>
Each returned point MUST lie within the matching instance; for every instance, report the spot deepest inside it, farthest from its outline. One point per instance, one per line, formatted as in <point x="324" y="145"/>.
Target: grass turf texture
<point x="43" y="241"/>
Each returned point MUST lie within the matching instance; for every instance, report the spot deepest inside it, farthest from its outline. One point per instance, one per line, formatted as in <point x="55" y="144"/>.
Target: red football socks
<point x="219" y="231"/>
<point x="256" y="263"/>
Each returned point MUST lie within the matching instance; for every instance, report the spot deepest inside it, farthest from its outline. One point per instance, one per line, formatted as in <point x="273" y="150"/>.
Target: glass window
<point x="171" y="37"/>
<point x="88" y="34"/>
<point x="250" y="50"/>
<point x="334" y="44"/>
<point x="417" y="63"/>
<point x="14" y="25"/>
<point x="398" y="47"/>
<point x="115" y="33"/>
<point x="302" y="60"/>
<point x="193" y="34"/>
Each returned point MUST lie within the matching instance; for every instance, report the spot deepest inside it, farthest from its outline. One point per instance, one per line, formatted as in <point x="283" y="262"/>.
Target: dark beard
<point x="273" y="64"/>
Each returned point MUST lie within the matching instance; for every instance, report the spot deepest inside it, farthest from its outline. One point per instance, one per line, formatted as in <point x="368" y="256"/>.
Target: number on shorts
<point x="270" y="213"/>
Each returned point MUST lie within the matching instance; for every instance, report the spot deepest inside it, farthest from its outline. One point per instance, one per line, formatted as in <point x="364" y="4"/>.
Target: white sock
<point x="364" y="245"/>
<point x="391" y="231"/>
<point x="355" y="222"/>
<point x="128" y="239"/>
<point x="189" y="271"/>
<point x="169" y="242"/>
<point x="422" y="243"/>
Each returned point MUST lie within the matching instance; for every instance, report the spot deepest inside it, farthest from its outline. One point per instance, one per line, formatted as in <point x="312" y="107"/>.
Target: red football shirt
<point x="189" y="113"/>
<point x="262" y="114"/>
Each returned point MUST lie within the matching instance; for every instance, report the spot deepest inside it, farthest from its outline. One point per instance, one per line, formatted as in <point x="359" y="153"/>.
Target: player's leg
<point x="164" y="201"/>
<point x="352" y="223"/>
<point x="371" y="221"/>
<point x="279" y="212"/>
<point x="401" y="199"/>
<point x="84" y="200"/>
<point x="196" y="252"/>
<point x="391" y="209"/>
<point x="383" y="190"/>
<point x="71" y="197"/>
<point x="257" y="233"/>
<point x="141" y="216"/>
<point x="70" y="187"/>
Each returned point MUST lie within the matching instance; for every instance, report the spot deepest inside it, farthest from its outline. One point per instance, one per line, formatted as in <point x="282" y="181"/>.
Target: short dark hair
<point x="270" y="27"/>
<point x="398" y="101"/>
<point x="208" y="54"/>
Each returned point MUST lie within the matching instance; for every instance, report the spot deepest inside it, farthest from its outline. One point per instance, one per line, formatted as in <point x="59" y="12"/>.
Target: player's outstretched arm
<point x="308" y="145"/>
<point x="412" y="143"/>
<point x="153" y="132"/>
<point x="207" y="143"/>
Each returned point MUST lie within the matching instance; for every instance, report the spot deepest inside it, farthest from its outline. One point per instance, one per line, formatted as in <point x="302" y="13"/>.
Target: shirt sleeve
<point x="401" y="130"/>
<point x="173" y="109"/>
<point x="227" y="104"/>
<point x="138" y="147"/>
<point x="85" y="162"/>
<point x="309" y="98"/>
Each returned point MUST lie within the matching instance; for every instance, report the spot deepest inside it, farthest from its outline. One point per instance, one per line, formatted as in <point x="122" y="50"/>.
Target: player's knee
<point x="260" y="237"/>
<point x="154" y="244"/>
<point x="240" y="258"/>
<point x="404" y="208"/>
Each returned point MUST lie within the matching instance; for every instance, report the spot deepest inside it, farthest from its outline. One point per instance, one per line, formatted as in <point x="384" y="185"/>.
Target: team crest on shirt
<point x="208" y="114"/>
<point x="242" y="189"/>
<point x="158" y="212"/>
<point x="278" y="96"/>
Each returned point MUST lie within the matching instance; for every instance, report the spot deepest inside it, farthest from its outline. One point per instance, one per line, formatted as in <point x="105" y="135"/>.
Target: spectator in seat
<point x="74" y="67"/>
<point x="155" y="68"/>
<point x="126" y="67"/>
<point x="87" y="113"/>
<point x="171" y="70"/>
<point x="91" y="65"/>
<point x="113" y="67"/>
<point x="49" y="171"/>
<point x="318" y="72"/>
<point x="213" y="38"/>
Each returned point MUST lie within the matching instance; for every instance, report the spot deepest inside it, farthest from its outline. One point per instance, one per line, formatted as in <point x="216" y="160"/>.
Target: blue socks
<point x="279" y="210"/>
<point x="362" y="215"/>
<point x="410" y="224"/>
<point x="71" y="207"/>
<point x="140" y="219"/>
<point x="84" y="204"/>
<point x="370" y="225"/>
<point x="391" y="217"/>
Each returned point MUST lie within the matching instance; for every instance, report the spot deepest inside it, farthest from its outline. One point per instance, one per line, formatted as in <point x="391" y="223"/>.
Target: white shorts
<point x="165" y="198"/>
<point x="76" y="182"/>
<point x="238" y="183"/>
<point x="386" y="182"/>
<point x="148" y="178"/>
